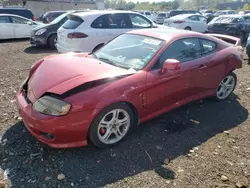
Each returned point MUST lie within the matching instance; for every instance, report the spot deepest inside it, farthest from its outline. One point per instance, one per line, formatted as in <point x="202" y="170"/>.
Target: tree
<point x="246" y="7"/>
<point x="228" y="8"/>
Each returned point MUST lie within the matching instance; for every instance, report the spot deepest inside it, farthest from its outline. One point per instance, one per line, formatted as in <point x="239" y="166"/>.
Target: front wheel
<point x="52" y="41"/>
<point x="188" y="28"/>
<point x="111" y="125"/>
<point x="226" y="86"/>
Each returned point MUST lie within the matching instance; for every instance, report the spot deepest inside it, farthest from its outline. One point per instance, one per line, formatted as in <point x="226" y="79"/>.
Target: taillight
<point x="77" y="35"/>
<point x="179" y="21"/>
<point x="33" y="18"/>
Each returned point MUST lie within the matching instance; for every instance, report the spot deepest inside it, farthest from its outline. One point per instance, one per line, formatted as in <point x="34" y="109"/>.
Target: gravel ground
<point x="203" y="144"/>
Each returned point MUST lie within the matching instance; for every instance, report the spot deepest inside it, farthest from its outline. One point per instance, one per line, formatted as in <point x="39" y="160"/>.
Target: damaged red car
<point x="69" y="100"/>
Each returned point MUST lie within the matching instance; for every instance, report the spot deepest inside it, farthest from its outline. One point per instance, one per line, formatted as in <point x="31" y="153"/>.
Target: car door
<point x="139" y="22"/>
<point x="7" y="28"/>
<point x="194" y="23"/>
<point x="22" y="27"/>
<point x="202" y="24"/>
<point x="173" y="87"/>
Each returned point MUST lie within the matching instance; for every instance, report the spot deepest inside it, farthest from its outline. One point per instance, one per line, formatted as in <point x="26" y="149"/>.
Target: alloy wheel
<point x="226" y="87"/>
<point x="113" y="126"/>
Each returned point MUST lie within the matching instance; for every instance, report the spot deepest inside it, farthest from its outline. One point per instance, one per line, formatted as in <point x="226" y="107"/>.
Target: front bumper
<point x="67" y="131"/>
<point x="38" y="40"/>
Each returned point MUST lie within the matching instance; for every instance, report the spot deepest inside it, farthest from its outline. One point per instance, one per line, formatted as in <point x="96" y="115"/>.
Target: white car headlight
<point x="40" y="31"/>
<point x="52" y="106"/>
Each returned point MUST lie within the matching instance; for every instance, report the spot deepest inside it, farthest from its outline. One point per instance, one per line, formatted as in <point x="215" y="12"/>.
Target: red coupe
<point x="71" y="99"/>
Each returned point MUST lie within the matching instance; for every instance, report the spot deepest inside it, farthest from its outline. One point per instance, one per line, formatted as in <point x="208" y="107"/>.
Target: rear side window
<point x="4" y="19"/>
<point x="100" y="22"/>
<point x="207" y="46"/>
<point x="73" y="22"/>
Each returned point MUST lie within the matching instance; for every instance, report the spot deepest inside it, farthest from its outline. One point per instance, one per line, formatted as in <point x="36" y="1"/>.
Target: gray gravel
<point x="187" y="147"/>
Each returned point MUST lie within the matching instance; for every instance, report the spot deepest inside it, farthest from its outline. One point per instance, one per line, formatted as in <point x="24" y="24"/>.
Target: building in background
<point x="39" y="7"/>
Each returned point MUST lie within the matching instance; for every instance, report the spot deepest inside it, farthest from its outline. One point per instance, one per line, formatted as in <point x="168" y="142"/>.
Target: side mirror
<point x="170" y="64"/>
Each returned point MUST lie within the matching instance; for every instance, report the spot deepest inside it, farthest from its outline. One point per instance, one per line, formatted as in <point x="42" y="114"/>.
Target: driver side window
<point x="183" y="50"/>
<point x="139" y="21"/>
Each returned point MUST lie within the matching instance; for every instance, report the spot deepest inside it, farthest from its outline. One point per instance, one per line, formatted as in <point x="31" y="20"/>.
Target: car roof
<point x="14" y="8"/>
<point x="166" y="33"/>
<point x="183" y="15"/>
<point x="101" y="12"/>
<point x="13" y="15"/>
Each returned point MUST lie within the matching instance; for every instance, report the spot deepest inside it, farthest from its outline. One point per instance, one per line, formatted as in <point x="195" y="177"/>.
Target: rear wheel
<point x="52" y="41"/>
<point x="226" y="87"/>
<point x="111" y="125"/>
<point x="188" y="28"/>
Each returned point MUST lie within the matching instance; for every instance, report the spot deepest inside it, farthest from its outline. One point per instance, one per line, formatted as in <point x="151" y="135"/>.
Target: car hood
<point x="40" y="26"/>
<point x="60" y="73"/>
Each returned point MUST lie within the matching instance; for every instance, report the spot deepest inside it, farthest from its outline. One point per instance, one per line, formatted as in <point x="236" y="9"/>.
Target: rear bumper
<point x="65" y="49"/>
<point x="67" y="131"/>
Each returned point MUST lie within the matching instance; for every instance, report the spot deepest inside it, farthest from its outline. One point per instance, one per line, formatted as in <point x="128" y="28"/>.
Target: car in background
<point x="178" y="12"/>
<point x="26" y="13"/>
<point x="14" y="26"/>
<point x="225" y="12"/>
<point x="87" y="31"/>
<point x="244" y="12"/>
<point x="98" y="98"/>
<point x="46" y="35"/>
<point x="50" y="16"/>
<point x="235" y="25"/>
<point x="151" y="15"/>
<point x="190" y="22"/>
<point x="205" y="11"/>
<point x="161" y="17"/>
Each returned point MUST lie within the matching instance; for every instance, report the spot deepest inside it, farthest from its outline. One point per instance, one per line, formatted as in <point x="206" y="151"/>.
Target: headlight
<point x="52" y="106"/>
<point x="40" y="31"/>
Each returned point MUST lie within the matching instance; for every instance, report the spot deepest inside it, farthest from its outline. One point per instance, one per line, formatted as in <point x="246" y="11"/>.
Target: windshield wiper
<point x="106" y="60"/>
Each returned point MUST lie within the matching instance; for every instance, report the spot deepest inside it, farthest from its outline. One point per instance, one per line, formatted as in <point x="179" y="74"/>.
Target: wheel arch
<point x="131" y="105"/>
<point x="49" y="35"/>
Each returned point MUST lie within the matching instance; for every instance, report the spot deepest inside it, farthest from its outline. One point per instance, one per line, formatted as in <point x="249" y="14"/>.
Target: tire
<point x="52" y="41"/>
<point x="103" y="131"/>
<point x="188" y="28"/>
<point x="229" y="86"/>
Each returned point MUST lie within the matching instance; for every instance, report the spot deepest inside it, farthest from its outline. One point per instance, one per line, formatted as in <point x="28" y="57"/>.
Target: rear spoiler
<point x="229" y="39"/>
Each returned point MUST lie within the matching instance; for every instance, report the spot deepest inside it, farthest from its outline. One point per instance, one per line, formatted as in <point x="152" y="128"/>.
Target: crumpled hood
<point x="61" y="73"/>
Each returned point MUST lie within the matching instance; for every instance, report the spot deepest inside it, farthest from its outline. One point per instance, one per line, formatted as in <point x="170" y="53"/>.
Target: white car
<point x="13" y="26"/>
<point x="192" y="22"/>
<point x="87" y="31"/>
<point x="161" y="17"/>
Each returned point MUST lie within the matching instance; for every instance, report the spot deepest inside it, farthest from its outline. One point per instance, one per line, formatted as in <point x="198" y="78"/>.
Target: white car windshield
<point x="129" y="51"/>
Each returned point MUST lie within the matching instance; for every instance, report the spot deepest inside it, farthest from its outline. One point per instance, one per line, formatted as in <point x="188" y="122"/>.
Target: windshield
<point x="129" y="51"/>
<point x="59" y="18"/>
<point x="162" y="15"/>
<point x="226" y="20"/>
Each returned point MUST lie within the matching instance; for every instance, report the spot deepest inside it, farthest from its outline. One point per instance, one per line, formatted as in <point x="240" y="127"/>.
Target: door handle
<point x="201" y="67"/>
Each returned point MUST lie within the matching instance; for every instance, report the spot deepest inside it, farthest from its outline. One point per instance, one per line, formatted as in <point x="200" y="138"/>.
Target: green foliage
<point x="123" y="4"/>
<point x="228" y="8"/>
<point x="246" y="7"/>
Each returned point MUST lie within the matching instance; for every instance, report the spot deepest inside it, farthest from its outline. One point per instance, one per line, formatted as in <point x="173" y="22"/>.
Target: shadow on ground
<point x="13" y="40"/>
<point x="38" y="50"/>
<point x="168" y="136"/>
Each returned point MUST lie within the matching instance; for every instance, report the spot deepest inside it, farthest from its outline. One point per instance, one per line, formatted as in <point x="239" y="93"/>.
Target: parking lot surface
<point x="203" y="144"/>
